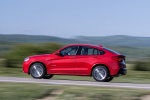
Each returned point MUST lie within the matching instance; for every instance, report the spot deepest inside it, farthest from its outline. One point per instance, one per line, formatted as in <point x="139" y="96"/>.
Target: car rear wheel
<point x="37" y="70"/>
<point x="48" y="76"/>
<point x="109" y="79"/>
<point x="100" y="73"/>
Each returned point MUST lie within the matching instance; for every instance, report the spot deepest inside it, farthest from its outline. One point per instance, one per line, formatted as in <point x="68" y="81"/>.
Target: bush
<point x="16" y="56"/>
<point x="142" y="66"/>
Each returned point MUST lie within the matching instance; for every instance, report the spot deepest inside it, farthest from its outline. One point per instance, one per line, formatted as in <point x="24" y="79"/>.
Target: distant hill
<point x="33" y="39"/>
<point x="116" y="40"/>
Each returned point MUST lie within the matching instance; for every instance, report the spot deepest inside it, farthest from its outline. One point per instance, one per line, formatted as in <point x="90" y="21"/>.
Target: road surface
<point x="76" y="83"/>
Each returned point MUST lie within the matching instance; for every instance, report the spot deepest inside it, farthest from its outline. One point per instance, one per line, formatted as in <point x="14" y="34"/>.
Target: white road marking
<point x="76" y="83"/>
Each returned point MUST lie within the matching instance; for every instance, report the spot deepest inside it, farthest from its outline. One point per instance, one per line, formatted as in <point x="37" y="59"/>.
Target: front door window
<point x="69" y="51"/>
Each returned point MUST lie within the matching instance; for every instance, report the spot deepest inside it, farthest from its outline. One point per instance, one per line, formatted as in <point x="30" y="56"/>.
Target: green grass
<point x="20" y="91"/>
<point x="132" y="75"/>
<point x="99" y="93"/>
<point x="15" y="72"/>
<point x="15" y="91"/>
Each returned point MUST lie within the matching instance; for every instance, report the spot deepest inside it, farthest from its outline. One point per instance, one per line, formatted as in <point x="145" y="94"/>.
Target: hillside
<point x="18" y="38"/>
<point x="117" y="40"/>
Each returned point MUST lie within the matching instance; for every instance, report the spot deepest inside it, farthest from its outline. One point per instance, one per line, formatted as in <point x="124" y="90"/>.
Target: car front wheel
<point x="37" y="70"/>
<point x="101" y="74"/>
<point x="109" y="79"/>
<point x="48" y="76"/>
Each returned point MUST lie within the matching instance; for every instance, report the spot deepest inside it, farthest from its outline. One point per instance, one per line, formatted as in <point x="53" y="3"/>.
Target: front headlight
<point x="26" y="59"/>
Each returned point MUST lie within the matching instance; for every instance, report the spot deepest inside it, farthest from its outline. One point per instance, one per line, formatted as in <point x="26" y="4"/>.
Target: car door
<point x="85" y="60"/>
<point x="64" y="63"/>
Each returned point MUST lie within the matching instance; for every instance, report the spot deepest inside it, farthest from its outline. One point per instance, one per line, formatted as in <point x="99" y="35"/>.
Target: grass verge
<point x="21" y="91"/>
<point x="15" y="91"/>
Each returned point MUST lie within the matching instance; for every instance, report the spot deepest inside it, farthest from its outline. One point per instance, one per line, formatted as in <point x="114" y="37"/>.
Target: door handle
<point x="95" y="57"/>
<point x="72" y="57"/>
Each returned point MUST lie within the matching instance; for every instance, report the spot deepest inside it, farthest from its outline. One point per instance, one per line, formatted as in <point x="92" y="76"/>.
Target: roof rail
<point x="100" y="45"/>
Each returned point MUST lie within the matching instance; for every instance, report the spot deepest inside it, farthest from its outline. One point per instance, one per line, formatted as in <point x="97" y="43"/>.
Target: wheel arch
<point x="37" y="62"/>
<point x="99" y="65"/>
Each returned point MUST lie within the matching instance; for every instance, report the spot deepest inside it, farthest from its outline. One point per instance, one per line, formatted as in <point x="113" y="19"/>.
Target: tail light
<point x="118" y="58"/>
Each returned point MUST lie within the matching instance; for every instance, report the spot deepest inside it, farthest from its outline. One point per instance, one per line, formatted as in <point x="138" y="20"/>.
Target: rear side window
<point x="111" y="51"/>
<point x="91" y="51"/>
<point x="101" y="52"/>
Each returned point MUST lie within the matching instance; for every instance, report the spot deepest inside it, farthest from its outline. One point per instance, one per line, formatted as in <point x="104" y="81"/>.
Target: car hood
<point x="42" y="55"/>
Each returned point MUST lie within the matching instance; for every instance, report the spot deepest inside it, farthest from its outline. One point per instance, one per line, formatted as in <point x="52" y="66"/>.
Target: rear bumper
<point x="122" y="71"/>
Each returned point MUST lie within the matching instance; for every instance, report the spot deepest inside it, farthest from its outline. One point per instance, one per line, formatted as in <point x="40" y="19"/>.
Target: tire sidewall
<point x="106" y="70"/>
<point x="44" y="71"/>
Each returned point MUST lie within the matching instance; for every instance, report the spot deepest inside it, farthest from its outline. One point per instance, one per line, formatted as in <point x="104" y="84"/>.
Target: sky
<point x="69" y="18"/>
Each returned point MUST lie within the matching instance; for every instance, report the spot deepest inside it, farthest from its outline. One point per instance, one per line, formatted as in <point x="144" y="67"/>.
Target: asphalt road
<point x="76" y="83"/>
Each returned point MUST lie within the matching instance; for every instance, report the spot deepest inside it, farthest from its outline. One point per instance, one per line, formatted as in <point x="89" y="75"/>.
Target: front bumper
<point x="25" y="67"/>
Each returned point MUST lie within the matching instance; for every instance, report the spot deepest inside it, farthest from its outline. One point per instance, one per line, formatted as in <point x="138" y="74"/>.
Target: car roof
<point x="97" y="46"/>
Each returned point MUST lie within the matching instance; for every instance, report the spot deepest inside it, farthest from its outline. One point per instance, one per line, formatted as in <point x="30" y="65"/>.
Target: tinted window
<point x="95" y="52"/>
<point x="112" y="51"/>
<point x="101" y="52"/>
<point x="90" y="51"/>
<point x="69" y="50"/>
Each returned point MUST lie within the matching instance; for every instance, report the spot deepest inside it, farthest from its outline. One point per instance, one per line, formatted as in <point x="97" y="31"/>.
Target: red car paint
<point x="79" y="64"/>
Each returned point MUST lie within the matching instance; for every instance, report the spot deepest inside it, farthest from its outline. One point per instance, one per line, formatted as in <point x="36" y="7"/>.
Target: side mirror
<point x="59" y="54"/>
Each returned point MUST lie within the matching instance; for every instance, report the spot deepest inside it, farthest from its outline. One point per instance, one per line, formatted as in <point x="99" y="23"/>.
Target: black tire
<point x="37" y="70"/>
<point x="109" y="79"/>
<point x="100" y="73"/>
<point x="48" y="76"/>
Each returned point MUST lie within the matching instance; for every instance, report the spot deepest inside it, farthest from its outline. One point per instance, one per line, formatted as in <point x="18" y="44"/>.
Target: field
<point x="20" y="91"/>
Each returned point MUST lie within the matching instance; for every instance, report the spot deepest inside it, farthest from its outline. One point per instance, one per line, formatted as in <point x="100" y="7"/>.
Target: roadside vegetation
<point x="142" y="66"/>
<point x="21" y="91"/>
<point x="15" y="57"/>
<point x="15" y="91"/>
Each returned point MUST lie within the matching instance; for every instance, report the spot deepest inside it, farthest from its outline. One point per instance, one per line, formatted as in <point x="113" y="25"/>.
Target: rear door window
<point x="90" y="51"/>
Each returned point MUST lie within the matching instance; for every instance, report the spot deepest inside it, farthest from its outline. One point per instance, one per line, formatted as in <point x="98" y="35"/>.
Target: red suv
<point x="77" y="59"/>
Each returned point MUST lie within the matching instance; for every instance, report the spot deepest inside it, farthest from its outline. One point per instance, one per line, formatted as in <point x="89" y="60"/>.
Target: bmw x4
<point x="101" y="63"/>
